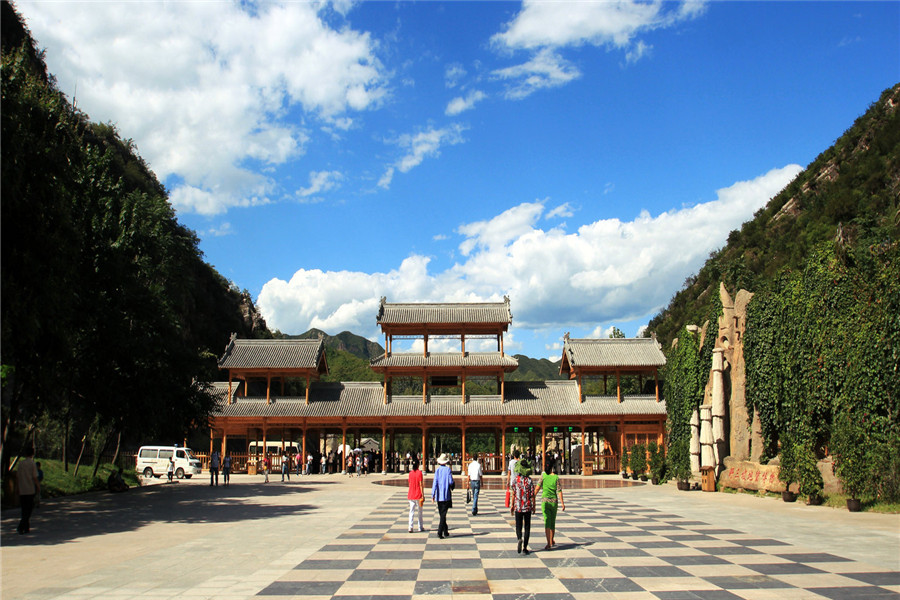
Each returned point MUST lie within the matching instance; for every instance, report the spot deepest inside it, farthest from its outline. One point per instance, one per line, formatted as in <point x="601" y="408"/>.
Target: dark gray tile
<point x="608" y="584"/>
<point x="296" y="588"/>
<point x="813" y="557"/>
<point x="790" y="568"/>
<point x="695" y="559"/>
<point x="729" y="550"/>
<point x="856" y="593"/>
<point x="384" y="575"/>
<point x="697" y="595"/>
<point x="315" y="564"/>
<point x="654" y="571"/>
<point x="743" y="582"/>
<point x="879" y="578"/>
<point x="518" y="573"/>
<point x="627" y="552"/>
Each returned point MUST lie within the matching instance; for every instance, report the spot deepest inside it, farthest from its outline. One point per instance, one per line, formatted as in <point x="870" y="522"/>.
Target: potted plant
<point x="811" y="482"/>
<point x="657" y="462"/>
<point x="639" y="462"/>
<point x="848" y="446"/>
<point x="787" y="470"/>
<point x="625" y="464"/>
<point x="679" y="462"/>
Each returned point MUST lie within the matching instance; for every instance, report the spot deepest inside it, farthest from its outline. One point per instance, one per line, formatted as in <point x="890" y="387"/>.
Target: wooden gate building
<point x="444" y="403"/>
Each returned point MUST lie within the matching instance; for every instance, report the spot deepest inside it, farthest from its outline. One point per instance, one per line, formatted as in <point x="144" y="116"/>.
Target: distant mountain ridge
<point x="349" y="354"/>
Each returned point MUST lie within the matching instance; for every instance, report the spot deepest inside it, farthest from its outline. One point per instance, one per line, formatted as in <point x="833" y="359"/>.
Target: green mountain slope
<point x="851" y="190"/>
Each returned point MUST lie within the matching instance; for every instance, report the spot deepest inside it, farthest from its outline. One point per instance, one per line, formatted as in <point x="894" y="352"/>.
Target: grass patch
<point x="867" y="504"/>
<point x="59" y="483"/>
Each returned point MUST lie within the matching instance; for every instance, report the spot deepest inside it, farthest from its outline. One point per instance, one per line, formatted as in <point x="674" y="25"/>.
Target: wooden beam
<point x="582" y="448"/>
<point x="502" y="388"/>
<point x="464" y="389"/>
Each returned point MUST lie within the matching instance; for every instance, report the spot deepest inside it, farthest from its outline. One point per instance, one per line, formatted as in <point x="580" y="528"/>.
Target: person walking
<point x="522" y="504"/>
<point x="285" y="465"/>
<point x="226" y="468"/>
<point x="441" y="492"/>
<point x="322" y="463"/>
<point x="551" y="493"/>
<point x="214" y="468"/>
<point x="29" y="487"/>
<point x="416" y="496"/>
<point x="266" y="464"/>
<point x="475" y="473"/>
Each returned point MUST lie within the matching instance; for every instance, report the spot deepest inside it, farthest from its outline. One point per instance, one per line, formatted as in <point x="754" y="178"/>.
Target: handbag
<point x="421" y="502"/>
<point x="507" y="497"/>
<point x="468" y="496"/>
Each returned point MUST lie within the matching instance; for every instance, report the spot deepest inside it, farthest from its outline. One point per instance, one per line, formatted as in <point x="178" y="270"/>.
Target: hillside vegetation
<point x="110" y="313"/>
<point x="851" y="190"/>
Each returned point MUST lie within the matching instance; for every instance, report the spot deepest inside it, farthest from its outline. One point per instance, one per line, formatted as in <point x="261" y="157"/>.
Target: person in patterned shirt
<point x="522" y="503"/>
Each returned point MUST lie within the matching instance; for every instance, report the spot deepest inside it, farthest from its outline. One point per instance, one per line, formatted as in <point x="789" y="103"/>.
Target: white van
<point x="153" y="461"/>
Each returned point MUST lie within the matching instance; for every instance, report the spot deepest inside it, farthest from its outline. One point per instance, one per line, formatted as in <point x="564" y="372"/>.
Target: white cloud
<point x="552" y="25"/>
<point x="181" y="79"/>
<point x="562" y="211"/>
<point x="638" y="51"/>
<point x="222" y="230"/>
<point x="460" y="104"/>
<point x="607" y="271"/>
<point x="419" y="146"/>
<point x="546" y="69"/>
<point x="320" y="181"/>
<point x="440" y="237"/>
<point x="453" y="74"/>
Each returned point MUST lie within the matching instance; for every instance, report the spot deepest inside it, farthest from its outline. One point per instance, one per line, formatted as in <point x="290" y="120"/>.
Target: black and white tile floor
<point x="606" y="548"/>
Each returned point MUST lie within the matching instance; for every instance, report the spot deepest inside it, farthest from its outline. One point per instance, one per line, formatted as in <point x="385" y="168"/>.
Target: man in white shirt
<point x="29" y="486"/>
<point x="512" y="468"/>
<point x="474" y="479"/>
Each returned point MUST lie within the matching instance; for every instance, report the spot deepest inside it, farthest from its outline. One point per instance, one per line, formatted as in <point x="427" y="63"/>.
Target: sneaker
<point x="524" y="550"/>
<point x="519" y="547"/>
<point x="410" y="530"/>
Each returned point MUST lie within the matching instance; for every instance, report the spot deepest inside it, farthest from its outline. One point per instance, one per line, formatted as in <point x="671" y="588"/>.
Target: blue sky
<point x="583" y="158"/>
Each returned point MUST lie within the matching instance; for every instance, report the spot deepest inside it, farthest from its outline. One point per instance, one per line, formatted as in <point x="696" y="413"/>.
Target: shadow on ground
<point x="62" y="520"/>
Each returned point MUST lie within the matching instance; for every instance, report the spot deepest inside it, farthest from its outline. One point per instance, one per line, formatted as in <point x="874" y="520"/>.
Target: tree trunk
<point x="118" y="446"/>
<point x="100" y="454"/>
<point x="65" y="444"/>
<point x="80" y="454"/>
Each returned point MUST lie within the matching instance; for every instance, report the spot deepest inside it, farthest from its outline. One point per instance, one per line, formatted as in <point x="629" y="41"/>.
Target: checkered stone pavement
<point x="606" y="548"/>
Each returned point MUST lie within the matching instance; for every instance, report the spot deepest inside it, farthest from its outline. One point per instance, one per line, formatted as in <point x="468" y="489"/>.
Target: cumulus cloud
<point x="550" y="25"/>
<point x="543" y="28"/>
<point x="606" y="271"/>
<point x="200" y="101"/>
<point x="453" y="74"/>
<point x="460" y="104"/>
<point x="419" y="146"/>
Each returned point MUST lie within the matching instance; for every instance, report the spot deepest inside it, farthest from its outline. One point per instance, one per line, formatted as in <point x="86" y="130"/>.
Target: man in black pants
<point x="29" y="485"/>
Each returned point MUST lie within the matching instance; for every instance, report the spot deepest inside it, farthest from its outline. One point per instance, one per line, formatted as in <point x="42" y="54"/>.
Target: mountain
<point x="345" y="342"/>
<point x="535" y="369"/>
<point x="851" y="190"/>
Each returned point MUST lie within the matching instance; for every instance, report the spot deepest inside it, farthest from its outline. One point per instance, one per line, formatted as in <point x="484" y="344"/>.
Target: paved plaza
<point x="329" y="536"/>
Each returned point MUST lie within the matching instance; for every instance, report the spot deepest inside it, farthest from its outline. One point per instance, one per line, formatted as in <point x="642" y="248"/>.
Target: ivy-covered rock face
<point x="825" y="341"/>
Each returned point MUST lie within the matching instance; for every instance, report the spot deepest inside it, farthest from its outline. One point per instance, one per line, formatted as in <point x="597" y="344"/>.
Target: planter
<point x="684" y="486"/>
<point x="643" y="478"/>
<point x="624" y="474"/>
<point x="789" y="496"/>
<point x="634" y="476"/>
<point x="655" y="481"/>
<point x="814" y="500"/>
<point x="854" y="505"/>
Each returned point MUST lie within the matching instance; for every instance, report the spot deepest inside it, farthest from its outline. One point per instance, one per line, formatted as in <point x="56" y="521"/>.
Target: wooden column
<point x="229" y="387"/>
<point x="265" y="432"/>
<point x="582" y="449"/>
<point x="463" y="387"/>
<point x="307" y="388"/>
<point x="618" y="386"/>
<point x="501" y="345"/>
<point x="502" y="388"/>
<point x="384" y="391"/>
<point x="344" y="449"/>
<point x="503" y="447"/>
<point x="246" y="385"/>
<point x="303" y="433"/>
<point x="462" y="468"/>
<point x="622" y="444"/>
<point x="426" y="345"/>
<point x="384" y="449"/>
<point x="656" y="379"/>
<point x="580" y="395"/>
<point x="268" y="387"/>
<point x="424" y="448"/>
<point x="224" y="443"/>
<point x="544" y="445"/>
<point x="463" y="339"/>
<point x="212" y="435"/>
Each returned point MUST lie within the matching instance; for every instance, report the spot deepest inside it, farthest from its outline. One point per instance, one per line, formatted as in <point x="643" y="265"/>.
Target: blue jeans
<point x="476" y="487"/>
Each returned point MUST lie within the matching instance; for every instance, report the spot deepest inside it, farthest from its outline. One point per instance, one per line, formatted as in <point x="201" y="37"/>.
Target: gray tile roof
<point x="613" y="352"/>
<point x="365" y="399"/>
<point x="445" y="359"/>
<point x="272" y="354"/>
<point x="411" y="313"/>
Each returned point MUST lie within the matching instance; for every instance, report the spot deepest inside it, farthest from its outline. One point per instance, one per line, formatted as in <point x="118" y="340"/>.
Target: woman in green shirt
<point x="550" y="491"/>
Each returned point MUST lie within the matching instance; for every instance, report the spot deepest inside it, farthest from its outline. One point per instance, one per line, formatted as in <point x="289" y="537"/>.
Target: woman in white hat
<point x="441" y="493"/>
